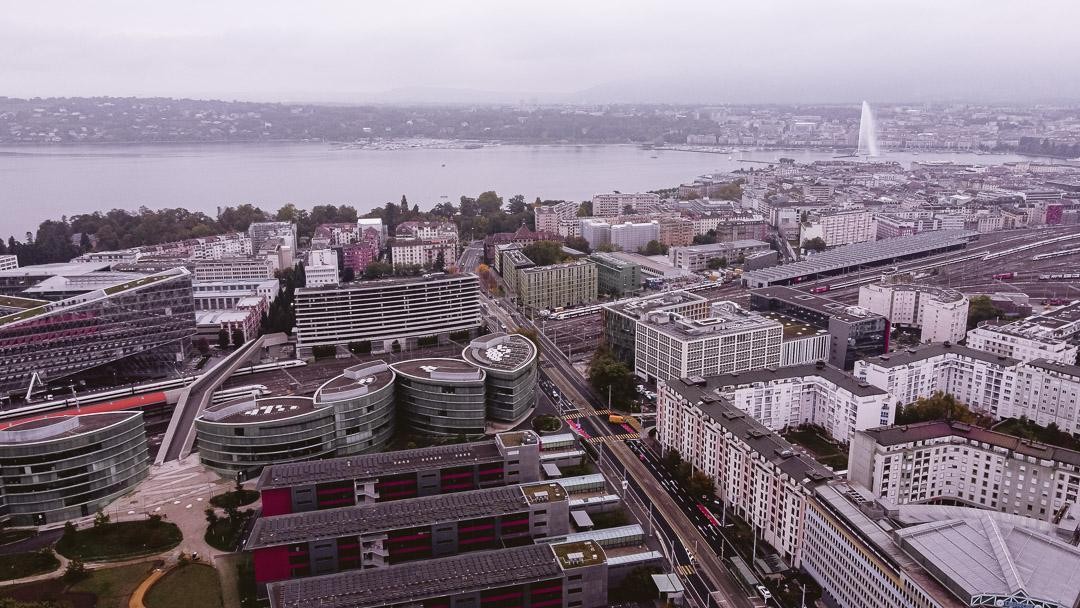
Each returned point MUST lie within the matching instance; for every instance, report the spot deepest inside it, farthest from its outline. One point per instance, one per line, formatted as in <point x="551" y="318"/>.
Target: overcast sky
<point x="712" y="51"/>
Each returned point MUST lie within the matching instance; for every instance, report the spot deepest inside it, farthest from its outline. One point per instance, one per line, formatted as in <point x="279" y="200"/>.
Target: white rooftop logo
<point x="266" y="410"/>
<point x="429" y="368"/>
<point x="496" y="353"/>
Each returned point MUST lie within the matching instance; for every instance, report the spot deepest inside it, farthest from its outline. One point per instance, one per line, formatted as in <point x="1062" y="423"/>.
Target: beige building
<point x="676" y="232"/>
<point x="557" y="285"/>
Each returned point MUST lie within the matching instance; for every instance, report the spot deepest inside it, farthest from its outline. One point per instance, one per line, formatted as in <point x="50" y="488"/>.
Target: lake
<point x="38" y="183"/>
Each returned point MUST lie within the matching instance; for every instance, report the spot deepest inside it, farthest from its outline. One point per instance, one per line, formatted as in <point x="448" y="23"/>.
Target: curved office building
<point x="247" y="434"/>
<point x="66" y="467"/>
<point x="363" y="401"/>
<point x="509" y="360"/>
<point x="441" y="396"/>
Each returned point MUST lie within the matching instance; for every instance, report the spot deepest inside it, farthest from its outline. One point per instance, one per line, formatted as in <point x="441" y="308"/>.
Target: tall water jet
<point x="867" y="133"/>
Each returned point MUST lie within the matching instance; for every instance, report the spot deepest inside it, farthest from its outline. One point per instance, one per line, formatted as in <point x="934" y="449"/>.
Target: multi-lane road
<point x="707" y="579"/>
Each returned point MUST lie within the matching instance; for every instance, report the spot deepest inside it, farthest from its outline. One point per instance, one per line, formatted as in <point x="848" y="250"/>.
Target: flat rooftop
<point x="60" y="427"/>
<point x="1052" y="366"/>
<point x="721" y="322"/>
<point x="867" y="253"/>
<point x="247" y="410"/>
<point x="770" y="445"/>
<point x="393" y="282"/>
<point x="374" y="466"/>
<point x="638" y="307"/>
<point x="441" y="370"/>
<point x="813" y="302"/>
<point x="937" y="429"/>
<point x="59" y="268"/>
<point x="720" y="247"/>
<point x="942" y="294"/>
<point x="500" y="351"/>
<point x="370" y="376"/>
<point x="394" y="515"/>
<point x="907" y="356"/>
<point x="412" y="582"/>
<point x="834" y="375"/>
<point x="793" y="328"/>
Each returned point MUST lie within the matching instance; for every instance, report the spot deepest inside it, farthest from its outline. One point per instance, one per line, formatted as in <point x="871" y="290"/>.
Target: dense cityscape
<point x="550" y="305"/>
<point x="763" y="387"/>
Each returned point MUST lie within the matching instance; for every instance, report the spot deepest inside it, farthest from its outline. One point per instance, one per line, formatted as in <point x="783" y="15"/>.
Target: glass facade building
<point x="143" y="324"/>
<point x="66" y="467"/>
<point x="441" y="396"/>
<point x="509" y="360"/>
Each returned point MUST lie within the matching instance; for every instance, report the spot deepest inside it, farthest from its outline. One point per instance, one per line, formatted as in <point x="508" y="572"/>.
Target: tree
<point x="404" y="205"/>
<point x="75" y="571"/>
<point x="211" y="517"/>
<point x="579" y="243"/>
<point x="376" y="270"/>
<point x="708" y="238"/>
<point x="716" y="263"/>
<point x="637" y="586"/>
<point x="544" y="253"/>
<point x="655" y="247"/>
<point x="489" y="202"/>
<point x="609" y="376"/>
<point x="222" y="338"/>
<point x="672" y="460"/>
<point x="701" y="484"/>
<point x="100" y="518"/>
<point x="202" y="345"/>
<point x="628" y="209"/>
<point x="348" y="275"/>
<point x="815" y="244"/>
<point x="237" y="337"/>
<point x="440" y="263"/>
<point x="517" y="204"/>
<point x="981" y="308"/>
<point x="585" y="210"/>
<point x="939" y="406"/>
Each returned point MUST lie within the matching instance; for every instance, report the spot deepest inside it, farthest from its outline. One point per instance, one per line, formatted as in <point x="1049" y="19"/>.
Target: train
<point x="1003" y="276"/>
<point x="1059" y="276"/>
<point x="820" y="289"/>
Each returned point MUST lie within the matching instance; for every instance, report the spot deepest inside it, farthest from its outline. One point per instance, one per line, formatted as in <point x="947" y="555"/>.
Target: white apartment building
<point x="234" y="269"/>
<point x="696" y="258"/>
<point x="983" y="381"/>
<point x="9" y="262"/>
<point x="854" y="558"/>
<point x="596" y="232"/>
<point x="427" y="230"/>
<point x="389" y="310"/>
<point x="615" y="203"/>
<point x="630" y="236"/>
<point x="841" y="227"/>
<point x="940" y="460"/>
<point x="322" y="268"/>
<point x="818" y="394"/>
<point x="548" y="217"/>
<point x="423" y="252"/>
<point x="1046" y="336"/>
<point x="939" y="313"/>
<point x="261" y="232"/>
<point x="668" y="345"/>
<point x="1048" y="392"/>
<point x="758" y="474"/>
<point x="222" y="295"/>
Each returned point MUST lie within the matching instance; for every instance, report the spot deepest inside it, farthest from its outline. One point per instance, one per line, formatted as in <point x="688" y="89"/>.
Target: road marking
<point x="686" y="569"/>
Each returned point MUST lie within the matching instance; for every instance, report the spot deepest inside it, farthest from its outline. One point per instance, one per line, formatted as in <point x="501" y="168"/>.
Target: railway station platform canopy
<point x="861" y="255"/>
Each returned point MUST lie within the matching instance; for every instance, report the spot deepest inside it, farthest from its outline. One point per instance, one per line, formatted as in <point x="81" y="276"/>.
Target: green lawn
<point x="546" y="424"/>
<point x="113" y="586"/>
<point x="1029" y="430"/>
<point x="234" y="498"/>
<point x="120" y="540"/>
<point x="224" y="534"/>
<point x="188" y="585"/>
<point x="824" y="451"/>
<point x="20" y="565"/>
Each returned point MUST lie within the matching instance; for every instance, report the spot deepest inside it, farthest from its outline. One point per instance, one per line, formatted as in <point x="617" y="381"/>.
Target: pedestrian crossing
<point x="685" y="569"/>
<point x="587" y="412"/>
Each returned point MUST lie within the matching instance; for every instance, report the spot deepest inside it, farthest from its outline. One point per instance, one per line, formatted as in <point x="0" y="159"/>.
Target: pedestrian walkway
<point x="137" y="596"/>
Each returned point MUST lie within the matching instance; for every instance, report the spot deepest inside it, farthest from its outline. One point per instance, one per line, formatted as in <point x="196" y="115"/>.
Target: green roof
<point x="17" y="302"/>
<point x="585" y="553"/>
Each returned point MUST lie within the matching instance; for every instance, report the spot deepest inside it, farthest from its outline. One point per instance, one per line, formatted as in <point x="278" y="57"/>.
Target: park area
<point x="107" y="588"/>
<point x="106" y="541"/>
<point x="186" y="585"/>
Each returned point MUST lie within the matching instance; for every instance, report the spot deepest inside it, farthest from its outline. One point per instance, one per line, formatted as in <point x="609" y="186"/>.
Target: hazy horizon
<point x="560" y="52"/>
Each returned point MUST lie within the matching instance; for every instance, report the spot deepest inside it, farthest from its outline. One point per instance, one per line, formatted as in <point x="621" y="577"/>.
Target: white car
<point x="764" y="593"/>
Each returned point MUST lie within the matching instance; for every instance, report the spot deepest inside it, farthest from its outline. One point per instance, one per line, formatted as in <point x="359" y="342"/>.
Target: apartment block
<point x="842" y="227"/>
<point x="234" y="269"/>
<point x="557" y="285"/>
<point x="669" y="345"/>
<point x="758" y="474"/>
<point x="1049" y="335"/>
<point x="548" y="217"/>
<point x="620" y="319"/>
<point x="818" y="394"/>
<point x="616" y="276"/>
<point x="696" y="257"/>
<point x="939" y="313"/>
<point x="616" y="203"/>
<point x="676" y="232"/>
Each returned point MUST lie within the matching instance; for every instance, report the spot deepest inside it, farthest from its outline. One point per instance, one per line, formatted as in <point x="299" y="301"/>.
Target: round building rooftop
<point x="356" y="381"/>
<point x="500" y="352"/>
<point x="246" y="410"/>
<point x="443" y="370"/>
